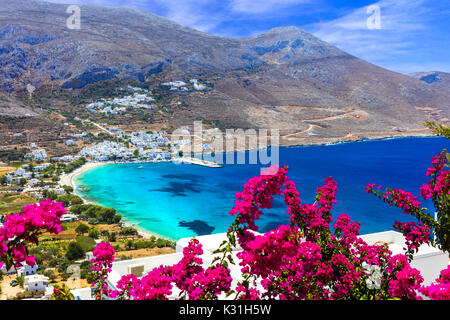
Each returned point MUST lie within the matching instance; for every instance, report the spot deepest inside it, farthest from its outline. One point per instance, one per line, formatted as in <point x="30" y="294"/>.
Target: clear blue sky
<point x="413" y="35"/>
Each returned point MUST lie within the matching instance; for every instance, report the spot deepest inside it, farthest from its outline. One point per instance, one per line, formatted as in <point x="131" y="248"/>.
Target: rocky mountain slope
<point x="11" y="107"/>
<point x="435" y="79"/>
<point x="285" y="78"/>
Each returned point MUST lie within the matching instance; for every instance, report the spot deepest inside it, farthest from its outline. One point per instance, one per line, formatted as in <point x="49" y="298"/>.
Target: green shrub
<point x="81" y="229"/>
<point x="86" y="243"/>
<point x="75" y="251"/>
<point x="128" y="231"/>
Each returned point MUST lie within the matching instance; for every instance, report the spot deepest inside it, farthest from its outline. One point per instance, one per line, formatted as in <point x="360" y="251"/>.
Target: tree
<point x="75" y="251"/>
<point x="69" y="200"/>
<point x="67" y="189"/>
<point x="3" y="180"/>
<point x="117" y="218"/>
<point x="112" y="237"/>
<point x="94" y="233"/>
<point x="50" y="274"/>
<point x="107" y="215"/>
<point x="65" y="200"/>
<point x="438" y="129"/>
<point x="75" y="200"/>
<point x="129" y="245"/>
<point x="22" y="182"/>
<point x="49" y="195"/>
<point x="81" y="229"/>
<point x="20" y="280"/>
<point x="128" y="231"/>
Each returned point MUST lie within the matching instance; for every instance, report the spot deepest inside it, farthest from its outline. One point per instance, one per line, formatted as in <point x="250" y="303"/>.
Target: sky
<point x="401" y="35"/>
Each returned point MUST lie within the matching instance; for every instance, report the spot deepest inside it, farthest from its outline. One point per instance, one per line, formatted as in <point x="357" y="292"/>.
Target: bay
<point x="184" y="200"/>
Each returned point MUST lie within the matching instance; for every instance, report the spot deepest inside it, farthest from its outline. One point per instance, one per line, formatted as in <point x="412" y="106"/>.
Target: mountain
<point x="12" y="108"/>
<point x="436" y="79"/>
<point x="284" y="78"/>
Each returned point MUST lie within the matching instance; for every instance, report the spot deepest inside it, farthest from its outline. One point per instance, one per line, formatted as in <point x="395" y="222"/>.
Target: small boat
<point x="140" y="167"/>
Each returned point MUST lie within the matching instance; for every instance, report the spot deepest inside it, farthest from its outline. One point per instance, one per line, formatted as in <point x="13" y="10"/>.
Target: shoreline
<point x="67" y="178"/>
<point x="146" y="233"/>
<point x="335" y="141"/>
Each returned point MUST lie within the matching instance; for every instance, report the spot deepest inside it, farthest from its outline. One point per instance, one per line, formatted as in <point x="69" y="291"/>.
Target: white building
<point x="36" y="282"/>
<point x="68" y="218"/>
<point x="199" y="87"/>
<point x="37" y="155"/>
<point x="70" y="143"/>
<point x="176" y="84"/>
<point x="25" y="270"/>
<point x="106" y="150"/>
<point x="19" y="172"/>
<point x="66" y="159"/>
<point x="28" y="175"/>
<point x="59" y="191"/>
<point x="41" y="167"/>
<point x="33" y="182"/>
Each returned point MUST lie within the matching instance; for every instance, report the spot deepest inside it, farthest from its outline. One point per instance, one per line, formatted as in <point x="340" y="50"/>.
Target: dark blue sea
<point x="183" y="200"/>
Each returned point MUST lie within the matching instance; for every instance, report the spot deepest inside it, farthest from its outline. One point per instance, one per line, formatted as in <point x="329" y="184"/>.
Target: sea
<point x="184" y="200"/>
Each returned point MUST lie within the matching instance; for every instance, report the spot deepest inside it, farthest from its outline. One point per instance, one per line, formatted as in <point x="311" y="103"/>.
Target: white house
<point x="28" y="175"/>
<point x="33" y="182"/>
<point x="25" y="270"/>
<point x="141" y="266"/>
<point x="37" y="155"/>
<point x="70" y="143"/>
<point x="68" y="218"/>
<point x="42" y="167"/>
<point x="199" y="87"/>
<point x="36" y="282"/>
<point x="59" y="191"/>
<point x="19" y="172"/>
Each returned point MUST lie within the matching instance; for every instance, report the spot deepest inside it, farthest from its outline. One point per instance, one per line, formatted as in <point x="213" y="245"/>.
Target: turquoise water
<point x="182" y="200"/>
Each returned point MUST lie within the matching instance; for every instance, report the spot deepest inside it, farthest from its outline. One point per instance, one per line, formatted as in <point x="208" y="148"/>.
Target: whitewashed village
<point x="141" y="146"/>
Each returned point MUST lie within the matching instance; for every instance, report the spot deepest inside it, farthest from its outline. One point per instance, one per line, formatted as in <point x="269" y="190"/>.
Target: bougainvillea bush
<point x="19" y="230"/>
<point x="315" y="256"/>
<point x="438" y="190"/>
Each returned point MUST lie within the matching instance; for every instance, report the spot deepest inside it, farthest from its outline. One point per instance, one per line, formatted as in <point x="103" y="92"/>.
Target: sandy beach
<point x="67" y="179"/>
